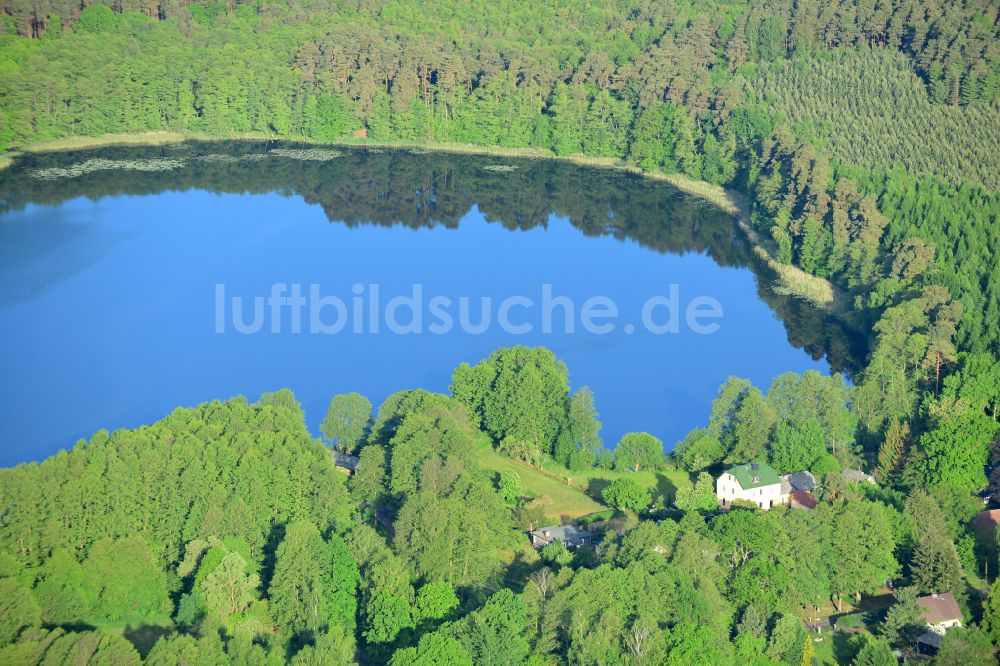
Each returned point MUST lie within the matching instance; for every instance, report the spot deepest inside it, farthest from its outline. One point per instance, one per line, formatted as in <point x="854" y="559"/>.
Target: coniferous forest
<point x="863" y="142"/>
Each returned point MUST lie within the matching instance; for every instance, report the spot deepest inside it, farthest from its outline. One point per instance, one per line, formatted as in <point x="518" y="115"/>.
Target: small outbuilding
<point x="799" y="499"/>
<point x="928" y="643"/>
<point x="857" y="476"/>
<point x="345" y="461"/>
<point x="803" y="481"/>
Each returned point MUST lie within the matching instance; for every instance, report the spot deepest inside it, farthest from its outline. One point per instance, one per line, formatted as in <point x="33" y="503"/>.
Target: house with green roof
<point x="755" y="482"/>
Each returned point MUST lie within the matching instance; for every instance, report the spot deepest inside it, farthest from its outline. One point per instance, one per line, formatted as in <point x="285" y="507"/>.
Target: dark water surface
<point x="111" y="263"/>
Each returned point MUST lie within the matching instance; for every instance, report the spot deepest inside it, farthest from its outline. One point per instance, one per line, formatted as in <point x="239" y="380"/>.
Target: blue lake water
<point x="109" y="285"/>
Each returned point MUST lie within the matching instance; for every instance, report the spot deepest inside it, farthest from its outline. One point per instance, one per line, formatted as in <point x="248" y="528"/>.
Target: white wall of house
<point x="727" y="489"/>
<point x="941" y="627"/>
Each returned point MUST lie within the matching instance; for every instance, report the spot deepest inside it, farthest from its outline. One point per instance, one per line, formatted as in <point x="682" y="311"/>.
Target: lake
<point x="136" y="280"/>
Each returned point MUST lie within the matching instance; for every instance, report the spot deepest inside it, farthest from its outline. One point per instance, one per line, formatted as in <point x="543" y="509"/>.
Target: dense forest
<point x="224" y="534"/>
<point x="864" y="138"/>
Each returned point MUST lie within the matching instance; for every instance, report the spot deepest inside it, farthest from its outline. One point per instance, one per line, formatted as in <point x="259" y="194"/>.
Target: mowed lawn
<point x="567" y="496"/>
<point x="559" y="499"/>
<point x="664" y="482"/>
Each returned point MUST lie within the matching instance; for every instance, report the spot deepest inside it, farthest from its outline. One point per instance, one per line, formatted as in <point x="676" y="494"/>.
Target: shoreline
<point x="789" y="279"/>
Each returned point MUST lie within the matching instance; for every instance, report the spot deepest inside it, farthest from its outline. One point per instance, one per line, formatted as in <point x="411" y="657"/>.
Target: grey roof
<point x="802" y="481"/>
<point x="930" y="638"/>
<point x="564" y="533"/>
<point x="345" y="460"/>
<point x="857" y="476"/>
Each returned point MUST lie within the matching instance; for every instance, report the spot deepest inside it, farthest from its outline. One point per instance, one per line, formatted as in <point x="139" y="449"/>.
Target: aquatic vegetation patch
<point x="311" y="154"/>
<point x="216" y="158"/>
<point x="90" y="166"/>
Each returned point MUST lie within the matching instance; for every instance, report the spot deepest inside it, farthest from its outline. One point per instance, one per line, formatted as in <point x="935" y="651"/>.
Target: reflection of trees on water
<point x="431" y="189"/>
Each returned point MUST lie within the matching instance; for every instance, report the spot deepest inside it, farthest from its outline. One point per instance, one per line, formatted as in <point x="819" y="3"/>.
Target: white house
<point x="941" y="613"/>
<point x="755" y="482"/>
<point x="569" y="535"/>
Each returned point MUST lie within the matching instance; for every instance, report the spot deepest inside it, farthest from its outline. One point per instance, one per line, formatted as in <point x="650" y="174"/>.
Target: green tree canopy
<point x="519" y="394"/>
<point x="626" y="493"/>
<point x="638" y="450"/>
<point x="347" y="420"/>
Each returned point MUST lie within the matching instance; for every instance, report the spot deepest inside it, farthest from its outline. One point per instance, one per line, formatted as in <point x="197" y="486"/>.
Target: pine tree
<point x="904" y="620"/>
<point x="935" y="566"/>
<point x="583" y="421"/>
<point x="890" y="453"/>
<point x="991" y="611"/>
<point x="808" y="650"/>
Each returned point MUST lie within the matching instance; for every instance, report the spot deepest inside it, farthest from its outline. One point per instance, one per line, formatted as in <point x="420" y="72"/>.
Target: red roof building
<point x="801" y="500"/>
